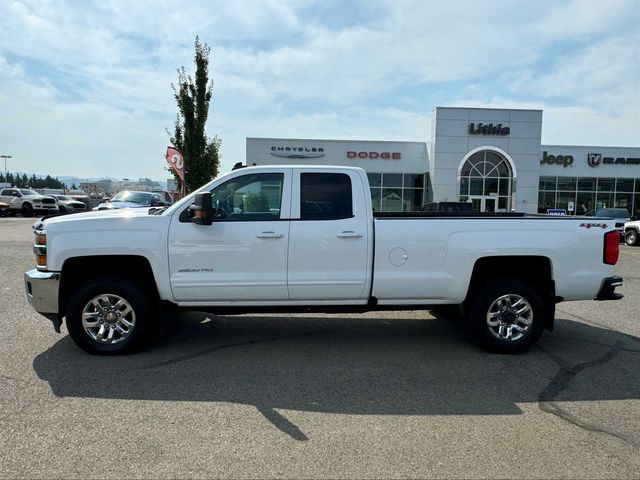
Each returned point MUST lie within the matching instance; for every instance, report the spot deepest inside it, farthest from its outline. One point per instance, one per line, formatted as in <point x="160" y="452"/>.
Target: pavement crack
<point x="206" y="351"/>
<point x="560" y="383"/>
<point x="597" y="324"/>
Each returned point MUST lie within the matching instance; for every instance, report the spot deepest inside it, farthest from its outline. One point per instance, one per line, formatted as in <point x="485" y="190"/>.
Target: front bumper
<point x="46" y="209"/>
<point x="607" y="290"/>
<point x="41" y="289"/>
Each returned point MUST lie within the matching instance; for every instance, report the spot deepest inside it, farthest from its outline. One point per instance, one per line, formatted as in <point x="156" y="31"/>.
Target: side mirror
<point x="201" y="211"/>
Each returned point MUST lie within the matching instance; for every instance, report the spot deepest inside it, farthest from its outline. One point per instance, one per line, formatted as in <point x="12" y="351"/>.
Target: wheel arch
<point x="77" y="270"/>
<point x="535" y="270"/>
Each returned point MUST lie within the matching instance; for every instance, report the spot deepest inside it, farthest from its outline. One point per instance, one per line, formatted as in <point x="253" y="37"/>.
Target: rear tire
<point x="631" y="238"/>
<point x="110" y="316"/>
<point x="507" y="315"/>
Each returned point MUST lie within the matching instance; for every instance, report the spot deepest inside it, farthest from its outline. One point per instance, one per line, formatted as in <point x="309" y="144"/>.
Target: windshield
<point x="141" y="198"/>
<point x="612" y="212"/>
<point x="63" y="197"/>
<point x="26" y="191"/>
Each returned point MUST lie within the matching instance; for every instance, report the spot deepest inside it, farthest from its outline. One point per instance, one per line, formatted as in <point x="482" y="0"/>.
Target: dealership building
<point x="493" y="158"/>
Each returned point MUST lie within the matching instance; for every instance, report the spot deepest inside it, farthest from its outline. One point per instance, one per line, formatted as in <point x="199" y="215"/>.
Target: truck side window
<point x="325" y="196"/>
<point x="255" y="197"/>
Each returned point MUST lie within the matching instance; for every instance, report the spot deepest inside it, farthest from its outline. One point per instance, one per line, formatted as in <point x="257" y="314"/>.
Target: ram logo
<point x="594" y="159"/>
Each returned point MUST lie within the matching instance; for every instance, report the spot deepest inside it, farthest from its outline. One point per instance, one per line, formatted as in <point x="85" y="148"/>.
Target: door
<point x="483" y="203"/>
<point x="329" y="243"/>
<point x="242" y="256"/>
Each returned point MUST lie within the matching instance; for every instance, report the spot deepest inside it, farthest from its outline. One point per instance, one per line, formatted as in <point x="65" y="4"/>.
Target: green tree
<point x="193" y="97"/>
<point x="255" y="202"/>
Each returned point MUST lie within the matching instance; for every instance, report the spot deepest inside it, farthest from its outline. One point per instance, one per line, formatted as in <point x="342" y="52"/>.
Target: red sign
<point x="175" y="161"/>
<point x="374" y="155"/>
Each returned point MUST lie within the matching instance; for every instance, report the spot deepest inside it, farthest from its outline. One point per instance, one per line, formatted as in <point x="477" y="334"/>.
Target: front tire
<point x="110" y="316"/>
<point x="631" y="238"/>
<point x="27" y="210"/>
<point x="507" y="315"/>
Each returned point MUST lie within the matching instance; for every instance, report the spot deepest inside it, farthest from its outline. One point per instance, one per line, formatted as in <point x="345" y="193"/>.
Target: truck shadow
<point x="369" y="366"/>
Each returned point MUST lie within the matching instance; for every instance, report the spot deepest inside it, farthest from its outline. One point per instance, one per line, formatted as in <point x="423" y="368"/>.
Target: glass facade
<point x="588" y="194"/>
<point x="398" y="192"/>
<point x="484" y="178"/>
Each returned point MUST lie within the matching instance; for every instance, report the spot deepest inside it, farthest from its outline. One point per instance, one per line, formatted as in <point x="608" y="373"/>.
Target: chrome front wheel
<point x="108" y="319"/>
<point x="111" y="315"/>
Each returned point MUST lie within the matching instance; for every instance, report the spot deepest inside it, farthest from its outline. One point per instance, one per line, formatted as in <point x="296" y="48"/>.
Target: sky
<point x="85" y="86"/>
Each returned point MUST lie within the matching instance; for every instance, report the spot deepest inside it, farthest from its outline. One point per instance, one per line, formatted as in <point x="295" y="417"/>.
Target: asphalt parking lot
<point x="385" y="395"/>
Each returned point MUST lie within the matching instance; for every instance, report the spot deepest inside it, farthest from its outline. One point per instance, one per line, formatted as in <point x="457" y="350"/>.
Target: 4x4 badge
<point x="594" y="225"/>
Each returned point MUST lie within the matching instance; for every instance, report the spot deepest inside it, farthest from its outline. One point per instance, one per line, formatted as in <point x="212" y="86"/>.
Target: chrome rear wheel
<point x="510" y="317"/>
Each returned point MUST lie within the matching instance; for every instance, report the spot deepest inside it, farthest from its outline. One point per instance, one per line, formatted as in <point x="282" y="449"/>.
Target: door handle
<point x="349" y="234"/>
<point x="270" y="235"/>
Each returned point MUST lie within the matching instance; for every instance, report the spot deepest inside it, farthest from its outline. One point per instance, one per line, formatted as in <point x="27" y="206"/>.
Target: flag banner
<point x="175" y="161"/>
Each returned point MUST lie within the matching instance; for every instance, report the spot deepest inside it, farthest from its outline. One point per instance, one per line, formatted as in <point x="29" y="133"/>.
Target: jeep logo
<point x="564" y="160"/>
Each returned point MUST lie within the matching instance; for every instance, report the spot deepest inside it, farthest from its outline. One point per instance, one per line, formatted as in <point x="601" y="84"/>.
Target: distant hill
<point x="68" y="181"/>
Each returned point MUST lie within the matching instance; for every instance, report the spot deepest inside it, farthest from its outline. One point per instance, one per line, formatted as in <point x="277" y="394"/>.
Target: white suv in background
<point x="28" y="201"/>
<point x="632" y="233"/>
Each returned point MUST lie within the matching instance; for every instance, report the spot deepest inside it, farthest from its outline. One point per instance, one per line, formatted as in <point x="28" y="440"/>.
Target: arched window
<point x="485" y="180"/>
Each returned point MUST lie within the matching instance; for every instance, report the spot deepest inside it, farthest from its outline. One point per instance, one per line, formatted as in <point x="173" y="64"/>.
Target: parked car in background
<point x="66" y="204"/>
<point x="620" y="216"/>
<point x="133" y="199"/>
<point x="632" y="233"/>
<point x="28" y="201"/>
<point x="167" y="196"/>
<point x="448" y="207"/>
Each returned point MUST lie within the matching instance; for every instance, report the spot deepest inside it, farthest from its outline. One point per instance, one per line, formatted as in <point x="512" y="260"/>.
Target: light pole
<point x="5" y="164"/>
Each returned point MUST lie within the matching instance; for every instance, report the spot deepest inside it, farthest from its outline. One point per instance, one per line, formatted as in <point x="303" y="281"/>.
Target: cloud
<point x="88" y="84"/>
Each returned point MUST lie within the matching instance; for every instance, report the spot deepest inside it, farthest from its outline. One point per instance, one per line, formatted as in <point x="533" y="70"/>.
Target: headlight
<point x="40" y="249"/>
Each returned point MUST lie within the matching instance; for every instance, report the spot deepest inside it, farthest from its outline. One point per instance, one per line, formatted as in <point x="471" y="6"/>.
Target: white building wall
<point x="452" y="141"/>
<point x="578" y="165"/>
<point x="412" y="155"/>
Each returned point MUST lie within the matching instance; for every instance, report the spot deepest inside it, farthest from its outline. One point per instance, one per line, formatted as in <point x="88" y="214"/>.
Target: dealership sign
<point x="564" y="160"/>
<point x="297" y="152"/>
<point x="596" y="159"/>
<point x="375" y="155"/>
<point x="488" y="129"/>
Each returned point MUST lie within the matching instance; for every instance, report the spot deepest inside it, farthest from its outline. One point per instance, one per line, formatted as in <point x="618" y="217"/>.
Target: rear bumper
<point x="41" y="290"/>
<point x="607" y="290"/>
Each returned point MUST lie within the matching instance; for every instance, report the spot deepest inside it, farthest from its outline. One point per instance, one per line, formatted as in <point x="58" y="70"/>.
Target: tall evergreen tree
<point x="193" y="97"/>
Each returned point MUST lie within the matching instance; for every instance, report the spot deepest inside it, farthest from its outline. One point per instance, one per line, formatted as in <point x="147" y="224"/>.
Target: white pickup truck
<point x="28" y="201"/>
<point x="301" y="238"/>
